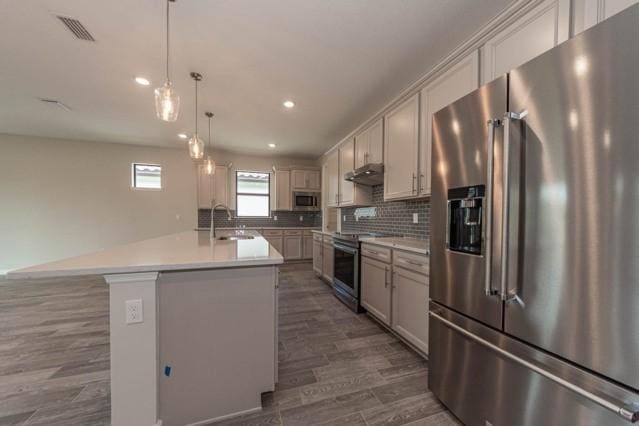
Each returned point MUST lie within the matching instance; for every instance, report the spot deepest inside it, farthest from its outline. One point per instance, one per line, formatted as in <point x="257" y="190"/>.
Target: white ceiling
<point x="339" y="60"/>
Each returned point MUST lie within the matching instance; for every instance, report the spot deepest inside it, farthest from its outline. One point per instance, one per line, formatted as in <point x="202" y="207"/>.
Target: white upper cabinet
<point x="346" y="164"/>
<point x="305" y="180"/>
<point x="212" y="189"/>
<point x="457" y="82"/>
<point x="401" y="149"/>
<point x="539" y="30"/>
<point x="332" y="179"/>
<point x="283" y="190"/>
<point x="369" y="144"/>
<point x="591" y="12"/>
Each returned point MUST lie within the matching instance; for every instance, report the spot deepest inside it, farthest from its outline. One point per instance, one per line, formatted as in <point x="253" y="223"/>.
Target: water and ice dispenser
<point x="465" y="219"/>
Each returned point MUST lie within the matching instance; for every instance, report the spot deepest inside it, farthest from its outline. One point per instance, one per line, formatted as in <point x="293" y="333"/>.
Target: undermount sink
<point x="235" y="237"/>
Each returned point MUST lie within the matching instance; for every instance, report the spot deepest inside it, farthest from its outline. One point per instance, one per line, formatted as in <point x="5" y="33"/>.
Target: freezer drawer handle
<point x="629" y="412"/>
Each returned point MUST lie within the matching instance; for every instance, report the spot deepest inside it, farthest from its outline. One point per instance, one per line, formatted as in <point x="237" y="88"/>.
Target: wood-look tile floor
<point x="336" y="368"/>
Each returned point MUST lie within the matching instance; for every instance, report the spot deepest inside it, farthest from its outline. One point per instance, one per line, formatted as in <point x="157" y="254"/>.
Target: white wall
<point x="63" y="198"/>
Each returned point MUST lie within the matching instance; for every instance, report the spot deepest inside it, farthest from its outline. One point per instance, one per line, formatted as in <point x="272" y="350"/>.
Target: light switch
<point x="134" y="312"/>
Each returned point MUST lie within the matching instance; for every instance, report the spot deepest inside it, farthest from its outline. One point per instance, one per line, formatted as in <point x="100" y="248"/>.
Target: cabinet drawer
<point x="308" y="233"/>
<point x="376" y="252"/>
<point x="272" y="233"/>
<point x="412" y="262"/>
<point x="328" y="240"/>
<point x="288" y="232"/>
<point x="317" y="237"/>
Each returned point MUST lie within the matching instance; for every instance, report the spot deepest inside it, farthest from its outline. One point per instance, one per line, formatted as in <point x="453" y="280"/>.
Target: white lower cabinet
<point x="327" y="258"/>
<point x="292" y="246"/>
<point x="397" y="295"/>
<point x="318" y="261"/>
<point x="307" y="245"/>
<point x="376" y="289"/>
<point x="410" y="307"/>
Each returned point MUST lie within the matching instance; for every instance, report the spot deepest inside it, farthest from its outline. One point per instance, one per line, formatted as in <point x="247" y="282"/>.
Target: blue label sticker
<point x="167" y="370"/>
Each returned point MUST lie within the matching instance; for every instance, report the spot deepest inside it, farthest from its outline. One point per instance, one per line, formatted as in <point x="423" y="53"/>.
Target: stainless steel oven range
<point x="347" y="266"/>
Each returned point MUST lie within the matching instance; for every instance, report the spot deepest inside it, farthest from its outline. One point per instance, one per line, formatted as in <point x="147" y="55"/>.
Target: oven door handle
<point x="346" y="249"/>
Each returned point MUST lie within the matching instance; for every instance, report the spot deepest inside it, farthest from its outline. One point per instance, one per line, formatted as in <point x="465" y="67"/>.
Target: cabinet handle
<point x="412" y="262"/>
<point x="414" y="179"/>
<point x="421" y="182"/>
<point x="386" y="271"/>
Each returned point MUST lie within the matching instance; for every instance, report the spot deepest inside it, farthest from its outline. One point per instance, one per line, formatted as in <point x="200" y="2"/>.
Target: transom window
<point x="146" y="176"/>
<point x="253" y="194"/>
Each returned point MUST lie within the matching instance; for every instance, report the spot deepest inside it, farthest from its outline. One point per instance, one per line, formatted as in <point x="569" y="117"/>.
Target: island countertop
<point x="189" y="250"/>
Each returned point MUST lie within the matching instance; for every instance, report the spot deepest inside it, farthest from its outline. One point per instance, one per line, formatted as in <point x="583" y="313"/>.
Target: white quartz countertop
<point x="188" y="250"/>
<point x="408" y="244"/>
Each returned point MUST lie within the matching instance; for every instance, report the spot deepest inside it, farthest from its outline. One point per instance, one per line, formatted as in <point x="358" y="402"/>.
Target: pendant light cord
<point x="196" y="106"/>
<point x="209" y="135"/>
<point x="167" y="39"/>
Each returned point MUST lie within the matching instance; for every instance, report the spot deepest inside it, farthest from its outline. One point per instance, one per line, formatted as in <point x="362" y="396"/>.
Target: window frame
<point x="134" y="177"/>
<point x="237" y="194"/>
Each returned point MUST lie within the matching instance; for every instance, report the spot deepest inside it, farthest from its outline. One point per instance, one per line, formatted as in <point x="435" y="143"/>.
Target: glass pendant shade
<point x="196" y="147"/>
<point x="167" y="102"/>
<point x="209" y="166"/>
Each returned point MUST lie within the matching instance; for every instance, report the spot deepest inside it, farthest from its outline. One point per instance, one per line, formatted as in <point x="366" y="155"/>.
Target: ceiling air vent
<point x="76" y="28"/>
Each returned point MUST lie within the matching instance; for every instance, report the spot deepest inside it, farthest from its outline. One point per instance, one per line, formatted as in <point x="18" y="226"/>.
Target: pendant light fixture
<point x="209" y="164"/>
<point x="196" y="146"/>
<point x="167" y="101"/>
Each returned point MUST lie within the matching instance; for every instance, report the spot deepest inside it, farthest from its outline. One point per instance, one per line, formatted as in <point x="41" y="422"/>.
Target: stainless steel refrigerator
<point x="534" y="275"/>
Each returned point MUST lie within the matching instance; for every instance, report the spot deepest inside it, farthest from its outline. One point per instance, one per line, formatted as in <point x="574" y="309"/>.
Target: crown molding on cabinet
<point x="508" y="16"/>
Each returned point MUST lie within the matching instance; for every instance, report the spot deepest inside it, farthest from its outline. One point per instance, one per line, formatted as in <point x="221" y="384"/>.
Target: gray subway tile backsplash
<point x="391" y="217"/>
<point x="284" y="219"/>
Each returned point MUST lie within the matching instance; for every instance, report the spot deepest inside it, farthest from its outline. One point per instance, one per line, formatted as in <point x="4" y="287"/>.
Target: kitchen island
<point x="193" y="324"/>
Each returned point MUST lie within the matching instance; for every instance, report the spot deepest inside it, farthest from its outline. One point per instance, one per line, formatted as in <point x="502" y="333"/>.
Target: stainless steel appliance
<point x="306" y="201"/>
<point x="369" y="174"/>
<point x="346" y="268"/>
<point x="534" y="276"/>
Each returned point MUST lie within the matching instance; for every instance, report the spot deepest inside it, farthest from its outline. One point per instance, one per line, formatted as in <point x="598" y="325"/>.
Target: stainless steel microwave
<point x="306" y="201"/>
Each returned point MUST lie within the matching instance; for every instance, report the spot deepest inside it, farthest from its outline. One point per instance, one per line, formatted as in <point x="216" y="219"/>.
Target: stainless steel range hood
<point x="369" y="174"/>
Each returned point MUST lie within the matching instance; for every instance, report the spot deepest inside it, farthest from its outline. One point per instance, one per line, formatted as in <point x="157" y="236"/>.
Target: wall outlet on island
<point x="134" y="312"/>
<point x="415" y="218"/>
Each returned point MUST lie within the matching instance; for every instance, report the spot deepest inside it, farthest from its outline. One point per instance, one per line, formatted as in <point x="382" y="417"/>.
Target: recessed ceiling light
<point x="142" y="81"/>
<point x="182" y="135"/>
<point x="271" y="145"/>
<point x="289" y="104"/>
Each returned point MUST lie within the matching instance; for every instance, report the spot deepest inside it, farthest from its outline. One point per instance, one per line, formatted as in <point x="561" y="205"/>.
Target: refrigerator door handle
<point x="488" y="235"/>
<point x="509" y="217"/>
<point x="628" y="411"/>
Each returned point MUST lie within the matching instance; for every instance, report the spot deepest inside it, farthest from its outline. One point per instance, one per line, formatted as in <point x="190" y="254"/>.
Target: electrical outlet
<point x="178" y="216"/>
<point x="301" y="218"/>
<point x="415" y="218"/>
<point x="344" y="218"/>
<point x="134" y="312"/>
<point x="275" y="217"/>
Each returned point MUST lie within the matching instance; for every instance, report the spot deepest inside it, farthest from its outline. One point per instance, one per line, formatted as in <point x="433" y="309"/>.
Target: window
<point x="252" y="192"/>
<point x="146" y="176"/>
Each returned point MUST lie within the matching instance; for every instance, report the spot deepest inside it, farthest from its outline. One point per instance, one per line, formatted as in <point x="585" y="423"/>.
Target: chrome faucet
<point x="228" y="212"/>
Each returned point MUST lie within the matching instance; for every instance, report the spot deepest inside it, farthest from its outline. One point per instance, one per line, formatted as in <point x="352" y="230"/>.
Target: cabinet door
<point x="332" y="167"/>
<point x="460" y="80"/>
<point x="205" y="187"/>
<point x="346" y="164"/>
<point x="313" y="179"/>
<point x="541" y="29"/>
<point x="410" y="307"/>
<point x="276" y="242"/>
<point x="282" y="190"/>
<point x="361" y="148"/>
<point x="221" y="185"/>
<point x="401" y="141"/>
<point x="299" y="179"/>
<point x="293" y="247"/>
<point x="307" y="250"/>
<point x="317" y="257"/>
<point x="327" y="270"/>
<point x="376" y="289"/>
<point x="376" y="142"/>
<point x="596" y="11"/>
